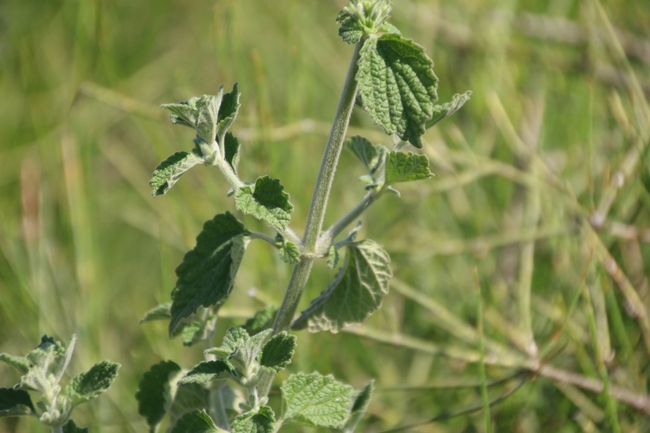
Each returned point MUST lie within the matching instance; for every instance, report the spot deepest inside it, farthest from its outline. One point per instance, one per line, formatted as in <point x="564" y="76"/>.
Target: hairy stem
<point x="317" y="208"/>
<point x="336" y="228"/>
<point x="228" y="172"/>
<point x="218" y="410"/>
<point x="264" y="237"/>
<point x="319" y="198"/>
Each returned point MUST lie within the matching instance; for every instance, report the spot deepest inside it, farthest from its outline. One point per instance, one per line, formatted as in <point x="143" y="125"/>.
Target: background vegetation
<point x="538" y="199"/>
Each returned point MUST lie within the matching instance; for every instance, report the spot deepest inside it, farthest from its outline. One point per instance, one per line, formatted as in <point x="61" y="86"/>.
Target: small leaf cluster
<point x="241" y="360"/>
<point x="41" y="372"/>
<point x="363" y="17"/>
<point x="210" y="116"/>
<point x="244" y="357"/>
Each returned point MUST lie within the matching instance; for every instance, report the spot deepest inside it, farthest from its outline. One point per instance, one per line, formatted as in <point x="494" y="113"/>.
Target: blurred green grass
<point x="85" y="250"/>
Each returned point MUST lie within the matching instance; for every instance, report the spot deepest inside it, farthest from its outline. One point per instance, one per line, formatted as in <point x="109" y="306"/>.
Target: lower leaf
<point x="71" y="427"/>
<point x="355" y="293"/>
<point x="316" y="400"/>
<point x="441" y="112"/>
<point x="262" y="421"/>
<point x="154" y="392"/>
<point x="359" y="407"/>
<point x="90" y="384"/>
<point x="196" y="421"/>
<point x="14" y="402"/>
<point x="170" y="171"/>
<point x="207" y="273"/>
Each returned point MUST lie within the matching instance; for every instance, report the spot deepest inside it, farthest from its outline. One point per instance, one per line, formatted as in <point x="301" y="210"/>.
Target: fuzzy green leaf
<point x="197" y="421"/>
<point x="228" y="111"/>
<point x="18" y="362"/>
<point x="170" y="171"/>
<point x="406" y="167"/>
<point x="441" y="112"/>
<point x="262" y="320"/>
<point x="389" y="28"/>
<point x="15" y="402"/>
<point x="200" y="113"/>
<point x="159" y="312"/>
<point x="278" y="351"/>
<point x="241" y="353"/>
<point x="207" y="273"/>
<point x="359" y="408"/>
<point x="90" y="384"/>
<point x="372" y="156"/>
<point x="71" y="427"/>
<point x="262" y="421"/>
<point x="351" y="31"/>
<point x="316" y="400"/>
<point x="245" y="358"/>
<point x="397" y="86"/>
<point x="266" y="200"/>
<point x="289" y="253"/>
<point x="234" y="338"/>
<point x="154" y="392"/>
<point x="231" y="146"/>
<point x="206" y="372"/>
<point x="332" y="257"/>
<point x="193" y="332"/>
<point x="355" y="293"/>
<point x="187" y="398"/>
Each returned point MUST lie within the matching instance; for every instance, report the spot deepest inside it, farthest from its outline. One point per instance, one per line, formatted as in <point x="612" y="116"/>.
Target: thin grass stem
<point x="487" y="418"/>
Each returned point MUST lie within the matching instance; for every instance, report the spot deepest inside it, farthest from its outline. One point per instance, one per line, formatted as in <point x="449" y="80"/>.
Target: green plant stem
<point x="326" y="238"/>
<point x="593" y="309"/>
<point x="317" y="208"/>
<point x="264" y="237"/>
<point x="481" y="348"/>
<point x="332" y="152"/>
<point x="228" y="172"/>
<point x="319" y="198"/>
<point x="57" y="429"/>
<point x="218" y="410"/>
